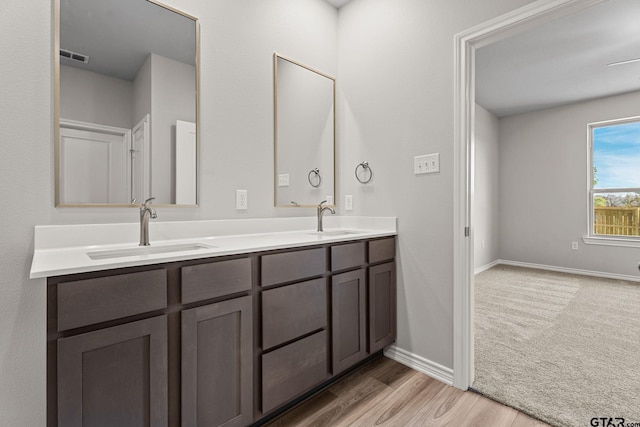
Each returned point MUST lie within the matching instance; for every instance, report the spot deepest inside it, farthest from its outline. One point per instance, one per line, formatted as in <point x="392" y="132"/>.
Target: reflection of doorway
<point x="139" y="167"/>
<point x="94" y="163"/>
<point x="466" y="43"/>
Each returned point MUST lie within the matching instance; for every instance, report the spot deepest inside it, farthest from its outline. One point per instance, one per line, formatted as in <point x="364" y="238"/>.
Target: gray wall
<point x="172" y="98"/>
<point x="396" y="85"/>
<point x="396" y="74"/>
<point x="486" y="216"/>
<point x="543" y="187"/>
<point x="78" y="89"/>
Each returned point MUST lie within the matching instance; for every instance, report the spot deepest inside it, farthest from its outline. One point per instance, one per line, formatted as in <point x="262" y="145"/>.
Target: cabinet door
<point x="217" y="375"/>
<point x="115" y="376"/>
<point x="348" y="312"/>
<point x="382" y="306"/>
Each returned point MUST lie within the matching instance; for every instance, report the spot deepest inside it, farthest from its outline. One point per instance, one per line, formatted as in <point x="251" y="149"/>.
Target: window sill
<point x="612" y="241"/>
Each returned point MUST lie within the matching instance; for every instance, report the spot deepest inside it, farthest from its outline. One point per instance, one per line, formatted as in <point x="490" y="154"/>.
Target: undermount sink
<point x="332" y="233"/>
<point x="147" y="250"/>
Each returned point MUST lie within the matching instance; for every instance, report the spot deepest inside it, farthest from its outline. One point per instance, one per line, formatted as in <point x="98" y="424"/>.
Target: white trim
<point x="579" y="271"/>
<point x="486" y="267"/>
<point x="420" y="364"/>
<point x="465" y="44"/>
<point x="612" y="241"/>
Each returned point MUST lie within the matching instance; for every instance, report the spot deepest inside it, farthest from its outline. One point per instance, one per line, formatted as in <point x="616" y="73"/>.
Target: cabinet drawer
<point x="292" y="370"/>
<point x="292" y="311"/>
<point x="216" y="279"/>
<point x="290" y="266"/>
<point x="85" y="302"/>
<point x="347" y="256"/>
<point x="382" y="250"/>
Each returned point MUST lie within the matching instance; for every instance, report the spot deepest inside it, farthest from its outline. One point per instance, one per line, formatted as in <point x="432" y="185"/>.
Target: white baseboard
<point x="420" y="364"/>
<point x="486" y="267"/>
<point x="570" y="270"/>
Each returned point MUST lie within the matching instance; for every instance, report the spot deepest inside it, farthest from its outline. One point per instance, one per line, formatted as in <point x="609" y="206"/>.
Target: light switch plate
<point x="427" y="163"/>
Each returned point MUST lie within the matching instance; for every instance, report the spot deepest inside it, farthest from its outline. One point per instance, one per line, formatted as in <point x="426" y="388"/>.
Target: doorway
<point x="464" y="101"/>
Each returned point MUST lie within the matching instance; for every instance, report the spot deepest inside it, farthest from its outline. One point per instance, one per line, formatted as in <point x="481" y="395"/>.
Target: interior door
<point x="140" y="161"/>
<point x="93" y="166"/>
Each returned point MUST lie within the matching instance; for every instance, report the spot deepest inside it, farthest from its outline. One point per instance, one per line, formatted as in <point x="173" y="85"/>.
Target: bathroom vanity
<point x="214" y="337"/>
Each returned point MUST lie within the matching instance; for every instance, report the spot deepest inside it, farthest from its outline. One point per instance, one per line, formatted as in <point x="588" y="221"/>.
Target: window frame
<point x="591" y="237"/>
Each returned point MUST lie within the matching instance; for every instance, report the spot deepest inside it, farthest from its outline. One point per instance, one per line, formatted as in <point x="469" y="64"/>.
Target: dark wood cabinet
<point x="225" y="341"/>
<point x="348" y="319"/>
<point x="115" y="376"/>
<point x="217" y="378"/>
<point x="382" y="306"/>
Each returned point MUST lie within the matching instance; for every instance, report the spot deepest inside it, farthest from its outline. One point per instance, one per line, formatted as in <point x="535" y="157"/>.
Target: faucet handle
<point x="321" y="203"/>
<point x="147" y="201"/>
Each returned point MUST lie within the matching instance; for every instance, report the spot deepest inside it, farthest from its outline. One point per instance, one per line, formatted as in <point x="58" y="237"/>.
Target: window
<point x="614" y="189"/>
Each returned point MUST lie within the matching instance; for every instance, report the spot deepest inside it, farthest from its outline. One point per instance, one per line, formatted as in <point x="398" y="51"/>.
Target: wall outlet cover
<point x="283" y="180"/>
<point x="241" y="200"/>
<point x="348" y="203"/>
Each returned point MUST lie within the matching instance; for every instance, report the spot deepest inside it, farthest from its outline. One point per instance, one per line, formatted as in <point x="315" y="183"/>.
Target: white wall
<point x="173" y="98"/>
<point x="78" y="90"/>
<point x="26" y="173"/>
<point x="486" y="188"/>
<point x="397" y="76"/>
<point x="396" y="82"/>
<point x="238" y="39"/>
<point x="543" y="187"/>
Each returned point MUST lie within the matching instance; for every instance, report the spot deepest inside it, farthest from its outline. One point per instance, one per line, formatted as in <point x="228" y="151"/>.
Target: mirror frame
<point x="275" y="131"/>
<point x="56" y="113"/>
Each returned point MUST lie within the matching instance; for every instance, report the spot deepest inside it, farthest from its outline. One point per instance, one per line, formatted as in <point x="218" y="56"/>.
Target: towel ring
<point x="366" y="168"/>
<point x="314" y="174"/>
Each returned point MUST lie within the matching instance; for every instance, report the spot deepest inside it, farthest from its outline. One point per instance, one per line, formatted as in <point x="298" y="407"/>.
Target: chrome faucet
<point x="321" y="212"/>
<point x="146" y="212"/>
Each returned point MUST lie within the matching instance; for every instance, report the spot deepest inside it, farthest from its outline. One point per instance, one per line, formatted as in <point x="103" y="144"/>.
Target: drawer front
<point x="347" y="256"/>
<point x="290" y="266"/>
<point x="292" y="311"/>
<point x="382" y="250"/>
<point x="216" y="279"/>
<point x="293" y="370"/>
<point x="90" y="301"/>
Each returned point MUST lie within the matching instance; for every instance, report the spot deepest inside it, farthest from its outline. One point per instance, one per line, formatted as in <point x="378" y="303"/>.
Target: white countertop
<point x="64" y="249"/>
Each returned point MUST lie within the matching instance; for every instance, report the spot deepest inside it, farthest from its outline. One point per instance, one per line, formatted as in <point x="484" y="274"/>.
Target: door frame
<point x="465" y="44"/>
<point x="123" y="133"/>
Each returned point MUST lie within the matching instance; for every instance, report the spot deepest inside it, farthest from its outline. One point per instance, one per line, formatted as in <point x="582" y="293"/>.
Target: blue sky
<point x="616" y="154"/>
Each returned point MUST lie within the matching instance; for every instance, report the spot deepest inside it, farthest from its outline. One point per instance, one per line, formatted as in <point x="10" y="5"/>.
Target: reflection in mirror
<point x="126" y="103"/>
<point x="304" y="134"/>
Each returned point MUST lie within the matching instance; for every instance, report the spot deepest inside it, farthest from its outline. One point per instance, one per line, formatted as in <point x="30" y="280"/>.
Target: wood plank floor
<point x="387" y="393"/>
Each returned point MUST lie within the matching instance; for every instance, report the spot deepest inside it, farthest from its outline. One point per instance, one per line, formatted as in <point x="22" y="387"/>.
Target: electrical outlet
<point x="574" y="246"/>
<point x="283" y="180"/>
<point x="348" y="203"/>
<point x="241" y="200"/>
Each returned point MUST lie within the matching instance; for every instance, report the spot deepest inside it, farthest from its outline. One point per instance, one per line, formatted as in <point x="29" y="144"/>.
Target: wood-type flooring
<point x="386" y="393"/>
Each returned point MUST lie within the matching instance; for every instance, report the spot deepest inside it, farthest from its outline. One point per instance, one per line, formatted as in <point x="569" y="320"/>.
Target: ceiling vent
<point x="78" y="57"/>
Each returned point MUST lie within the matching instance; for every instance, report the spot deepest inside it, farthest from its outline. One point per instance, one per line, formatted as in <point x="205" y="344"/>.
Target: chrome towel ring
<point x="366" y="170"/>
<point x="314" y="177"/>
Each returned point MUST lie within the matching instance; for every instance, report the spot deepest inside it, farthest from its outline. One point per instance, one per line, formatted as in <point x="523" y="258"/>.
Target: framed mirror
<point x="126" y="103"/>
<point x="304" y="134"/>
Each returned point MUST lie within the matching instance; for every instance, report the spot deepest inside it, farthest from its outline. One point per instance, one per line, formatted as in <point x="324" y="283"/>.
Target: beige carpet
<point x="563" y="348"/>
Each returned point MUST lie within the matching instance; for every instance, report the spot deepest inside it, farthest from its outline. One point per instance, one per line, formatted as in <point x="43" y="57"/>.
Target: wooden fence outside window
<point x="616" y="220"/>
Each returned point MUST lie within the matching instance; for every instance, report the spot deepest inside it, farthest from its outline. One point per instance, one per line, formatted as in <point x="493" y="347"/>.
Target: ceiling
<point x="338" y="3"/>
<point x="117" y="41"/>
<point x="563" y="61"/>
